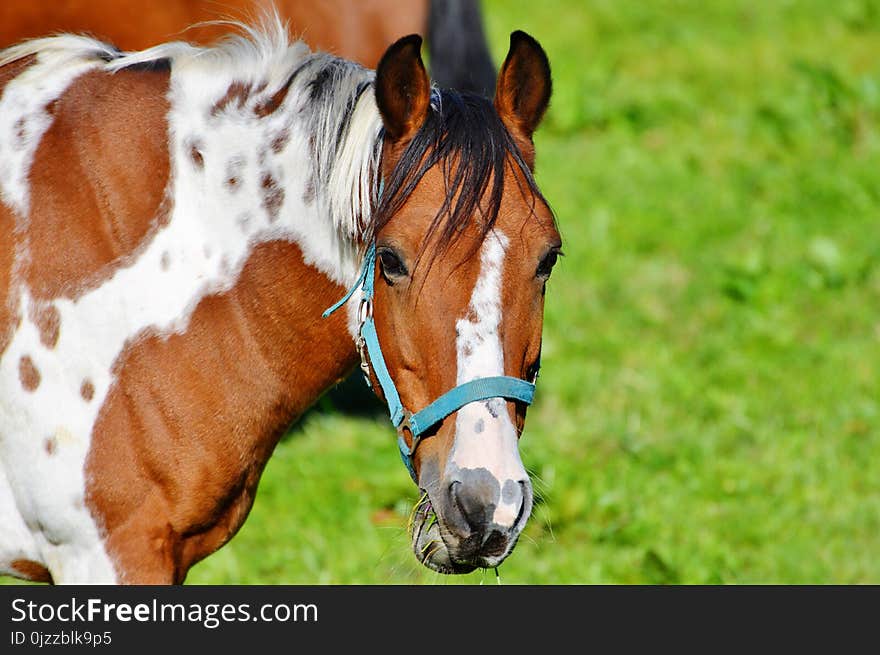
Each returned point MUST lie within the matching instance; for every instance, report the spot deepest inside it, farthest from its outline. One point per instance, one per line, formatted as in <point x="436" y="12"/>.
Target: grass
<point x="709" y="405"/>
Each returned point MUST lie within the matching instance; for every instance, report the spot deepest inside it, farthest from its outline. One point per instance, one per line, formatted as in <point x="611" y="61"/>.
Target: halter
<point x="501" y="386"/>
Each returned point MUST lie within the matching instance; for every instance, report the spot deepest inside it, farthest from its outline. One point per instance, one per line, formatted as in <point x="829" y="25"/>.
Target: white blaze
<point x="485" y="437"/>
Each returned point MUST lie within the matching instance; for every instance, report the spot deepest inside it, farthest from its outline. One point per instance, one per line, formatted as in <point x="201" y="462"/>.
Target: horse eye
<point x="545" y="267"/>
<point x="392" y="266"/>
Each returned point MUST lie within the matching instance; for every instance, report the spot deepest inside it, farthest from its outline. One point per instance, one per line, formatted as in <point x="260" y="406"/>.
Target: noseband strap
<point x="501" y="386"/>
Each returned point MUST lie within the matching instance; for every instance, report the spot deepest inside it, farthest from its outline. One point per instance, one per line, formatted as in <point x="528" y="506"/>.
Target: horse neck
<point x="259" y="239"/>
<point x="255" y="254"/>
<point x="278" y="186"/>
<point x="256" y="162"/>
<point x="203" y="409"/>
<point x="185" y="299"/>
<point x="267" y="171"/>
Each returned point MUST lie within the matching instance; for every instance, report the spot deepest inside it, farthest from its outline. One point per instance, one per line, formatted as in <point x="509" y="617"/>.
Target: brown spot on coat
<point x="269" y="105"/>
<point x="48" y="321"/>
<point x="28" y="570"/>
<point x="195" y="154"/>
<point x="87" y="390"/>
<point x="20" y="133"/>
<point x="98" y="181"/>
<point x="50" y="445"/>
<point x="28" y="374"/>
<point x="236" y="97"/>
<point x="280" y="140"/>
<point x="234" y="168"/>
<point x="273" y="196"/>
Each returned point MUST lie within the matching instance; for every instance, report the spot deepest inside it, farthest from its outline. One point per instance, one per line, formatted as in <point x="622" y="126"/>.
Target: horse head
<point x="464" y="245"/>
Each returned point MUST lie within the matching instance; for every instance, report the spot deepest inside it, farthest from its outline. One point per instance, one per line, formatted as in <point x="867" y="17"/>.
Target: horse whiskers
<point x="497" y="577"/>
<point x="547" y="521"/>
<point x="412" y="515"/>
<point x="410" y="523"/>
<point x="439" y="546"/>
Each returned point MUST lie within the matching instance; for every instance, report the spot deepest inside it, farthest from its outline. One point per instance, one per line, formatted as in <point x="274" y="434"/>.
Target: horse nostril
<point x="481" y="507"/>
<point x="515" y="502"/>
<point x="472" y="505"/>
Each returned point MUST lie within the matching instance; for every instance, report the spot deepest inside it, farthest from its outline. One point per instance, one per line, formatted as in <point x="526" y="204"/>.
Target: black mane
<point x="464" y="135"/>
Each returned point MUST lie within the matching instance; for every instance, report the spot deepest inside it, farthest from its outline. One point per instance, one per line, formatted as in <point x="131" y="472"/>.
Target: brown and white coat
<point x="173" y="222"/>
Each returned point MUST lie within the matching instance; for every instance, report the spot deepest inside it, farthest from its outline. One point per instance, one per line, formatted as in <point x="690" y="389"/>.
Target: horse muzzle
<point x="474" y="522"/>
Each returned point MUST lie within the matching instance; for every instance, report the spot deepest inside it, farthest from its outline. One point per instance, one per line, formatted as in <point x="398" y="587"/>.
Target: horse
<point x="355" y="29"/>
<point x="197" y="242"/>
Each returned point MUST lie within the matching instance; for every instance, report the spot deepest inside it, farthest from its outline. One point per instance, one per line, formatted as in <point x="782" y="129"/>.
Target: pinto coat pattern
<point x="119" y="218"/>
<point x="173" y="223"/>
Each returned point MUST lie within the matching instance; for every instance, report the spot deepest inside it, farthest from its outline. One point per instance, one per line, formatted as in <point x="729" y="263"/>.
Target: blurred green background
<point x="708" y="405"/>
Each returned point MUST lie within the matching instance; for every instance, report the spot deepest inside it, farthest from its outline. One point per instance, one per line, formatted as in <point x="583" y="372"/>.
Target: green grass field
<point x="709" y="404"/>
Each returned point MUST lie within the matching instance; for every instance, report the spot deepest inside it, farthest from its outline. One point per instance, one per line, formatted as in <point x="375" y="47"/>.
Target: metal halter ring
<point x="365" y="312"/>
<point x="406" y="424"/>
<point x="365" y="365"/>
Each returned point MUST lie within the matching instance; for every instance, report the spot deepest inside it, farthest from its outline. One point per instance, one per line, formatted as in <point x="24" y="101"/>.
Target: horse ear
<point x="523" y="89"/>
<point x="403" y="91"/>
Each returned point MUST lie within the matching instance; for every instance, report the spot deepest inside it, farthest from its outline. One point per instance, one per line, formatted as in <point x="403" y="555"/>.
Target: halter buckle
<point x="361" y="344"/>
<point x="365" y="313"/>
<point x="406" y="424"/>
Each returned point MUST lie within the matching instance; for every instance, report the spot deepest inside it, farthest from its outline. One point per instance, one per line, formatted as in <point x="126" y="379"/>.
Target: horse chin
<point x="428" y="544"/>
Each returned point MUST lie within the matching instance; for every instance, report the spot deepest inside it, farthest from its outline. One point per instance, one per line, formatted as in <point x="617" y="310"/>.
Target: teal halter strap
<point x="502" y="386"/>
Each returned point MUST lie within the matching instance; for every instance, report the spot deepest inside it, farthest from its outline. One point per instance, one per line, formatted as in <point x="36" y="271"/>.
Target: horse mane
<point x="463" y="133"/>
<point x="266" y="64"/>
